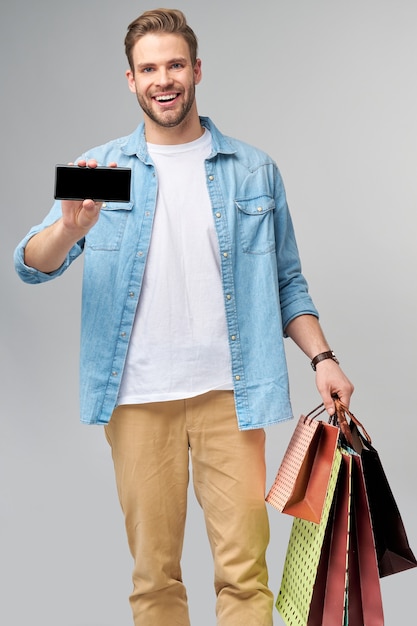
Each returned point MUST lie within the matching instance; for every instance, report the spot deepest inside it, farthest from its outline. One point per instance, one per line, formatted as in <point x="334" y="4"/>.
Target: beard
<point x="169" y="118"/>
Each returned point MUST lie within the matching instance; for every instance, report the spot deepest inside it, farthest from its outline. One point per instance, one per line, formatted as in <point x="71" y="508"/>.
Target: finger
<point x="329" y="405"/>
<point x="91" y="206"/>
<point x="92" y="163"/>
<point x="344" y="398"/>
<point x="327" y="399"/>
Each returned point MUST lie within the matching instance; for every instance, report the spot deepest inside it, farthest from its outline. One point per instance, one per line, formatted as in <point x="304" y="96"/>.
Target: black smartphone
<point x="102" y="184"/>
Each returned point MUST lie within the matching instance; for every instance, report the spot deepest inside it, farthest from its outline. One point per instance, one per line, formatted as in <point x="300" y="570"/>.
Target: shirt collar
<point x="136" y="142"/>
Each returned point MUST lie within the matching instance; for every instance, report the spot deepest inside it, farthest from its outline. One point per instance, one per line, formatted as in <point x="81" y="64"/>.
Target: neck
<point x="189" y="130"/>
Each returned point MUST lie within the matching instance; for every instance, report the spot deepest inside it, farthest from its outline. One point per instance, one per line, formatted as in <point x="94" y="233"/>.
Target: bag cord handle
<point x="341" y="412"/>
<point x="339" y="418"/>
<point x="315" y="413"/>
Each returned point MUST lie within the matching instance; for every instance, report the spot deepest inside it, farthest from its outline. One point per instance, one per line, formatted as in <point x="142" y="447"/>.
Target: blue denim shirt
<point x="263" y="286"/>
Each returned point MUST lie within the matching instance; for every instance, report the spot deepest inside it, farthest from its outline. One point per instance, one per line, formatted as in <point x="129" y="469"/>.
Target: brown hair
<point x="160" y="21"/>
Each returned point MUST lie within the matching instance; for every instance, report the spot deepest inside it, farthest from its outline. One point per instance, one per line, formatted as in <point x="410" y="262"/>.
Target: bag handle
<point x="315" y="413"/>
<point x="340" y="415"/>
<point x="339" y="418"/>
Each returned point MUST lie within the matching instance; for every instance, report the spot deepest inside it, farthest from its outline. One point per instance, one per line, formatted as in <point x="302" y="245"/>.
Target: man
<point x="187" y="293"/>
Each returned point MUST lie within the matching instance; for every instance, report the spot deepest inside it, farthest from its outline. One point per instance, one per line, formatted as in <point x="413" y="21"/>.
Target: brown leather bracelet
<point x="322" y="356"/>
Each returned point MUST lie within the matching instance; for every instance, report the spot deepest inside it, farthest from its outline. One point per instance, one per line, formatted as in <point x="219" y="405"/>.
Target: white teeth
<point x="166" y="98"/>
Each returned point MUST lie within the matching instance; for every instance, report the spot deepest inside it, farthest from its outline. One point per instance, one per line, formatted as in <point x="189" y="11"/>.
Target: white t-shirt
<point x="179" y="346"/>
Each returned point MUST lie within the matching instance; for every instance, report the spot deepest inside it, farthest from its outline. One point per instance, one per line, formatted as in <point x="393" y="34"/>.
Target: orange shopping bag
<point x="301" y="484"/>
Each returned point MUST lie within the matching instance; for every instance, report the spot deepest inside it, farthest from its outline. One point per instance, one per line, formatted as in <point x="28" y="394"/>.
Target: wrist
<point x="329" y="354"/>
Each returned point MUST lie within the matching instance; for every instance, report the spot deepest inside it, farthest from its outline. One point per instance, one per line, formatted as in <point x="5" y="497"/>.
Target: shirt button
<point x="233" y="337"/>
<point x="237" y="377"/>
<point x="104" y="205"/>
<point x="218" y="214"/>
<point x="140" y="253"/>
<point x="114" y="374"/>
<point x="211" y="177"/>
<point x="131" y="294"/>
<point x="259" y="209"/>
<point x="225" y="254"/>
<point x="228" y="297"/>
<point x="123" y="335"/>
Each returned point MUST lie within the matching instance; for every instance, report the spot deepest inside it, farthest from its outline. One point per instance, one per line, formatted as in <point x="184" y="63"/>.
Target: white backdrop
<point x="328" y="89"/>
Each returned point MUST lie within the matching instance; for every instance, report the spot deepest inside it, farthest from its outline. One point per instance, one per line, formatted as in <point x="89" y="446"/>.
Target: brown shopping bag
<point x="347" y="587"/>
<point x="364" y="599"/>
<point x="302" y="480"/>
<point x="392" y="547"/>
<point x="329" y="601"/>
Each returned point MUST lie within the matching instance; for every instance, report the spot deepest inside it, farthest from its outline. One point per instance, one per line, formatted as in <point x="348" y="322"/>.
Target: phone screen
<point x="102" y="184"/>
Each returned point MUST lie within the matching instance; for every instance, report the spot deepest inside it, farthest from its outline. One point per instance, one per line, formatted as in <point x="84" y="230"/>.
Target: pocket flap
<point x="117" y="206"/>
<point x="256" y="206"/>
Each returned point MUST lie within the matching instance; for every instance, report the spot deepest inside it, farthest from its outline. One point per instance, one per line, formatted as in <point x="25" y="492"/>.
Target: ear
<point x="131" y="81"/>
<point x="197" y="71"/>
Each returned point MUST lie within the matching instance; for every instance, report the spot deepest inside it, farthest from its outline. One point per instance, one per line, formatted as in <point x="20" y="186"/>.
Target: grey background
<point x="326" y="87"/>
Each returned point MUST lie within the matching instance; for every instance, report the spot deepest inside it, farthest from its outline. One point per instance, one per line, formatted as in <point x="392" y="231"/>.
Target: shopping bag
<point x="302" y="481"/>
<point x="302" y="559"/>
<point x="364" y="599"/>
<point x="341" y="585"/>
<point x="329" y="597"/>
<point x="393" y="550"/>
<point x="332" y="569"/>
<point x="347" y="588"/>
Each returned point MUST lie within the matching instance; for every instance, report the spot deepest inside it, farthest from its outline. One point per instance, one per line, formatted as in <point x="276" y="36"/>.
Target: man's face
<point x="164" y="79"/>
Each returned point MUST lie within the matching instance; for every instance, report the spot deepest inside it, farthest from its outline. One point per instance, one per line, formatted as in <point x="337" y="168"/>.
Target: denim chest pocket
<point x="256" y="224"/>
<point x="107" y="234"/>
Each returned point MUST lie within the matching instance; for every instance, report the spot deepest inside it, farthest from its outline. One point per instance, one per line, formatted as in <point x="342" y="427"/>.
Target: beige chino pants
<point x="151" y="446"/>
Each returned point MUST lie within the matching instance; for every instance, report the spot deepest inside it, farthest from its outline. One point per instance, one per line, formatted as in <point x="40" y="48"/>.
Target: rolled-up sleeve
<point x="31" y="275"/>
<point x="294" y="295"/>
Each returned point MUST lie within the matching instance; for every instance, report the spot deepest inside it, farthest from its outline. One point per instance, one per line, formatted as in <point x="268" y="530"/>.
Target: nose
<point x="164" y="77"/>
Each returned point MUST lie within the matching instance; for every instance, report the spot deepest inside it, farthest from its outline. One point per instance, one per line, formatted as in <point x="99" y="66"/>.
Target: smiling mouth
<point x="166" y="97"/>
